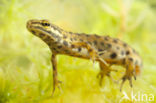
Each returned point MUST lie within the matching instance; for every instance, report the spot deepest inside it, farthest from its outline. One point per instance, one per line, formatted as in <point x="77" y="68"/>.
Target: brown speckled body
<point x="104" y="49"/>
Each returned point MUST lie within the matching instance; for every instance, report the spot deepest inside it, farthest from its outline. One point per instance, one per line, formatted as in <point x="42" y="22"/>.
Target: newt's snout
<point x="29" y="24"/>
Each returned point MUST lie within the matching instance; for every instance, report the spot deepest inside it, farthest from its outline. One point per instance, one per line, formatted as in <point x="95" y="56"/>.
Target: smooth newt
<point x="104" y="49"/>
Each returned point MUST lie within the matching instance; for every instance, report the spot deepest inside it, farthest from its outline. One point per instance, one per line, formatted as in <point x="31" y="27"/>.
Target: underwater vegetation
<point x="25" y="67"/>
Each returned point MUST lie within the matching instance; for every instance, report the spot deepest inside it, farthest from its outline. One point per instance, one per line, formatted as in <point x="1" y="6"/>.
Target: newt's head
<point x="44" y="28"/>
<point x="38" y="26"/>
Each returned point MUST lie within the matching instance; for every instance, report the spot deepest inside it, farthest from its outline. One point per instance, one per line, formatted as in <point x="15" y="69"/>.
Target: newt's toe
<point x="58" y="85"/>
<point x="124" y="78"/>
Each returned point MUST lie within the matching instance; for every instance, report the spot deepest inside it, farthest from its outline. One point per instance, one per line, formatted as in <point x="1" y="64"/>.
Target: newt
<point x="107" y="51"/>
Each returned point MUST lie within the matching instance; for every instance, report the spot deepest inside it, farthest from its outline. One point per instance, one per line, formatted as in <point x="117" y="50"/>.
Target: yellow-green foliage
<point x="25" y="67"/>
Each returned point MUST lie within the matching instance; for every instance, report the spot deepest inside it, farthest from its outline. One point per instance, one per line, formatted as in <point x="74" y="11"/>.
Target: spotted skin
<point x="103" y="49"/>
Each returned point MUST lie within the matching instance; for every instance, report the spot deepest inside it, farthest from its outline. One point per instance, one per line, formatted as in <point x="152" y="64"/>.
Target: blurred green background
<point x="25" y="67"/>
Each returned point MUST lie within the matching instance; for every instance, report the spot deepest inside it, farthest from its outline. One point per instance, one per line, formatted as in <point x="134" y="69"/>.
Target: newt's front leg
<point x="56" y="82"/>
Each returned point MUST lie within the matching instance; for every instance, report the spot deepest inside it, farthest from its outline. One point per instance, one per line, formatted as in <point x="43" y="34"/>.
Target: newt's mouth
<point x="32" y="23"/>
<point x="28" y="25"/>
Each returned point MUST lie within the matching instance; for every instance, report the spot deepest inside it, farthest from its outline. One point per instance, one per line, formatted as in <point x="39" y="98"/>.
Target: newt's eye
<point x="45" y="24"/>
